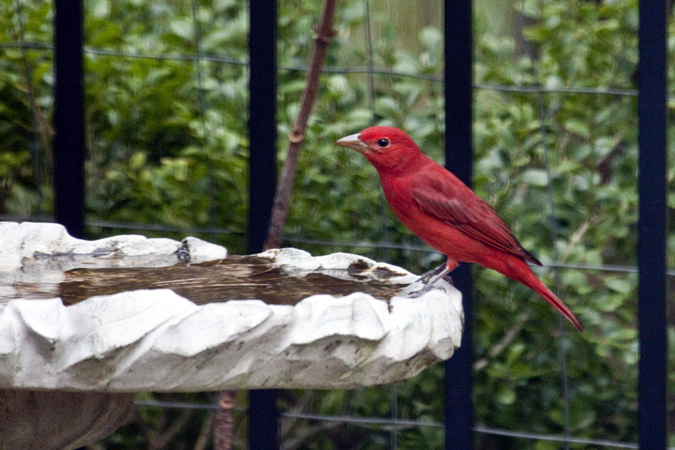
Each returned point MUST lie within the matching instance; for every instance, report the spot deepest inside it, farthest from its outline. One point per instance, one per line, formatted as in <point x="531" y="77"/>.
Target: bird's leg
<point x="431" y="277"/>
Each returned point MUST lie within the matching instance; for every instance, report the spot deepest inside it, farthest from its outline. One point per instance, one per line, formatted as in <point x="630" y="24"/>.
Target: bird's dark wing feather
<point x="455" y="204"/>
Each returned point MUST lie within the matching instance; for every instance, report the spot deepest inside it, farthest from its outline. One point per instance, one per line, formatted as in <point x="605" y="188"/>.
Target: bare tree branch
<point x="504" y="341"/>
<point x="161" y="437"/>
<point x="205" y="431"/>
<point x="324" y="33"/>
<point x="289" y="423"/>
<point x="223" y="434"/>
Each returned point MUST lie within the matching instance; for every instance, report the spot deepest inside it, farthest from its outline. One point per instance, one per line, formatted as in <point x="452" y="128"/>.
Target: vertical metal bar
<point x="263" y="417"/>
<point x="69" y="149"/>
<point x="262" y="414"/>
<point x="652" y="163"/>
<point x="262" y="119"/>
<point x="459" y="159"/>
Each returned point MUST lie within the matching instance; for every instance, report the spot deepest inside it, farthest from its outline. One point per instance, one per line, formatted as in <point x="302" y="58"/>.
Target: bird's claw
<point x="426" y="277"/>
<point x="428" y="281"/>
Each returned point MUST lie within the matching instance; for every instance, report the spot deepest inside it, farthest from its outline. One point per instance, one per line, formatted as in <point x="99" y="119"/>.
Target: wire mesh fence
<point x="555" y="138"/>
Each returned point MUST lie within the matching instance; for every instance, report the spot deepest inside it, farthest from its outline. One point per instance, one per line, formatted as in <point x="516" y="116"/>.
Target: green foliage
<point x="167" y="141"/>
<point x="25" y="109"/>
<point x="589" y="141"/>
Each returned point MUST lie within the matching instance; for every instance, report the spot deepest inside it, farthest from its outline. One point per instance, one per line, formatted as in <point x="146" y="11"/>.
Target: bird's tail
<point x="559" y="305"/>
<point x="529" y="279"/>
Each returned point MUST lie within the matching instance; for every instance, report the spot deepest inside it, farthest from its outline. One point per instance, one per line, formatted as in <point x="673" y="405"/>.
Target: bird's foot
<point x="428" y="280"/>
<point x="429" y="275"/>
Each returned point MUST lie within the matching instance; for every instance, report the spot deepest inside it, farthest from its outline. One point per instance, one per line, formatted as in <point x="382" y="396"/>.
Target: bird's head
<point x="387" y="148"/>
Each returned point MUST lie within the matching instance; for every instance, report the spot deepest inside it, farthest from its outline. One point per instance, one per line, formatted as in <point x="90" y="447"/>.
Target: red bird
<point x="440" y="209"/>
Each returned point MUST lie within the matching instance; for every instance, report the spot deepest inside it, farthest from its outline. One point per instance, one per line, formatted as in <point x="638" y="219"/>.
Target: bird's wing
<point x="445" y="197"/>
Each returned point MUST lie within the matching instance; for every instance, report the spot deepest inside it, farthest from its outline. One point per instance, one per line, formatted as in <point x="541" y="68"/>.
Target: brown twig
<point x="289" y="423"/>
<point x="205" y="431"/>
<point x="324" y="33"/>
<point x="504" y="341"/>
<point x="223" y="434"/>
<point x="160" y="437"/>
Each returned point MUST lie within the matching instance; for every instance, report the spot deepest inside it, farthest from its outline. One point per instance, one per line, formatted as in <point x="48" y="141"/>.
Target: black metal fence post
<point x="262" y="414"/>
<point x="69" y="149"/>
<point x="652" y="188"/>
<point x="459" y="159"/>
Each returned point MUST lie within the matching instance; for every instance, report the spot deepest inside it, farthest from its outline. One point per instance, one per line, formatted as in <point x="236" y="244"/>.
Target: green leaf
<point x="578" y="127"/>
<point x="536" y="177"/>
<point x="506" y="395"/>
<point x="619" y="285"/>
<point x="137" y="160"/>
<point x="182" y="28"/>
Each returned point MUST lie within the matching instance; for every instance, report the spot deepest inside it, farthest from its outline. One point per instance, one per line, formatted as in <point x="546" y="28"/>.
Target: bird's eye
<point x="384" y="142"/>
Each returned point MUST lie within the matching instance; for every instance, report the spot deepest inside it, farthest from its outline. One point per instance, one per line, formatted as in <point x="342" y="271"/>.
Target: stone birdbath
<point x="86" y="324"/>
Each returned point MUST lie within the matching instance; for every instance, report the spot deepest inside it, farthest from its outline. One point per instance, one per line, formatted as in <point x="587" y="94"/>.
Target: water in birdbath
<point x="236" y="277"/>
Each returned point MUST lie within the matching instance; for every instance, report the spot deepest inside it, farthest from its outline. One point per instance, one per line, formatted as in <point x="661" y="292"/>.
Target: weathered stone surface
<point x="157" y="340"/>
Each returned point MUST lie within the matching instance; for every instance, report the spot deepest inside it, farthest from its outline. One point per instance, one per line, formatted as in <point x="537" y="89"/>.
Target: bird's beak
<point x="352" y="141"/>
